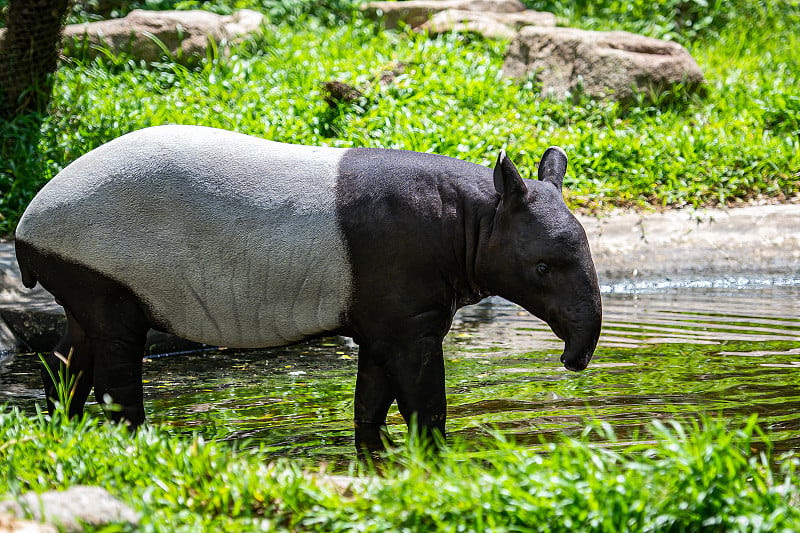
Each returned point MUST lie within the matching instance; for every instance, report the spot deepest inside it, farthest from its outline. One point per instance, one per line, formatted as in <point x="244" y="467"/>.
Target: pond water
<point x="671" y="349"/>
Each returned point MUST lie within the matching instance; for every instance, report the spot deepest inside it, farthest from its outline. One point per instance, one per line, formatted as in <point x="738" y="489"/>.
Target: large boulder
<point x="149" y="35"/>
<point x="10" y="524"/>
<point x="417" y="12"/>
<point x="601" y="64"/>
<point x="489" y="24"/>
<point x="71" y="510"/>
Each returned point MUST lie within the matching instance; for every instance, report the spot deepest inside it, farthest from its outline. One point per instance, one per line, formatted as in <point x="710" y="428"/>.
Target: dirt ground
<point x="702" y="244"/>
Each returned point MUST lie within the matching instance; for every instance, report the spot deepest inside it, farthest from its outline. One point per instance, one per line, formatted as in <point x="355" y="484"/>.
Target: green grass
<point x="739" y="142"/>
<point x="704" y="476"/>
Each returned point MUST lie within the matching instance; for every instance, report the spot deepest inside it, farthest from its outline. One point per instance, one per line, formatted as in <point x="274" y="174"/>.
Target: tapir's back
<point x="227" y="239"/>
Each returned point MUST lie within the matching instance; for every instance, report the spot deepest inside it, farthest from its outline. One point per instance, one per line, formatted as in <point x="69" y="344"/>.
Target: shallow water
<point x="669" y="349"/>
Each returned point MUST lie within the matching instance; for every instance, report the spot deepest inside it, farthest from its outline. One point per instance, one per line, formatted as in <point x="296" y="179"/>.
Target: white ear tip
<point x="557" y="149"/>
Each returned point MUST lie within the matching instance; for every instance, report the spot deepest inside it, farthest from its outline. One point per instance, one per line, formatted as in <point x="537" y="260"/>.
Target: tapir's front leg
<point x="402" y="361"/>
<point x="416" y="372"/>
<point x="374" y="396"/>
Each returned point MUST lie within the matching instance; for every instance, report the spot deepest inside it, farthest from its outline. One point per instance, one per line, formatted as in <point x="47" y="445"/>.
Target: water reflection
<point x="727" y="349"/>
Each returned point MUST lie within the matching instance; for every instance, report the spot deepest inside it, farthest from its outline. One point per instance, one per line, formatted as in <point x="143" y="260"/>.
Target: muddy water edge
<point x="725" y="348"/>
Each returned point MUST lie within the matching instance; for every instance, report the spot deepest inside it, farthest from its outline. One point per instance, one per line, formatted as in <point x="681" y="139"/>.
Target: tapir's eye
<point x="542" y="269"/>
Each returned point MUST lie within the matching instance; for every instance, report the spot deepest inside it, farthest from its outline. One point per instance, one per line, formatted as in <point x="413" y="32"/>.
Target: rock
<point x="752" y="241"/>
<point x="8" y="341"/>
<point x="468" y="21"/>
<point x="601" y="64"/>
<point x="149" y="35"/>
<point x="28" y="302"/>
<point x="10" y="524"/>
<point x="490" y="25"/>
<point x="72" y="508"/>
<point x="494" y="19"/>
<point x="417" y="12"/>
<point x="38" y="327"/>
<point x="528" y="17"/>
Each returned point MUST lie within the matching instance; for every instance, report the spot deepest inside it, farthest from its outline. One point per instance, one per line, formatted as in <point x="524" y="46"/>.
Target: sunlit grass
<point x="707" y="476"/>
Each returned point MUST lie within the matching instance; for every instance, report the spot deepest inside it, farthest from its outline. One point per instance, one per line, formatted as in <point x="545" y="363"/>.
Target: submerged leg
<point x="417" y="376"/>
<point x="118" y="337"/>
<point x="118" y="378"/>
<point x="374" y="396"/>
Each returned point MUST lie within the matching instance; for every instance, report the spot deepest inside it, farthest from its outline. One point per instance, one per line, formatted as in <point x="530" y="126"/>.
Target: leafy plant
<point x="682" y="20"/>
<point x="65" y="383"/>
<point x="706" y="475"/>
<point x="293" y="11"/>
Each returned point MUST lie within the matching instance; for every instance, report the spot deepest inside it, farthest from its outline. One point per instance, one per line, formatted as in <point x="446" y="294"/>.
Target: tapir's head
<point x="537" y="256"/>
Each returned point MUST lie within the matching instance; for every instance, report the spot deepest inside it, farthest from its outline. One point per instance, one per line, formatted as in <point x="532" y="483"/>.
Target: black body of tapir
<point x="237" y="241"/>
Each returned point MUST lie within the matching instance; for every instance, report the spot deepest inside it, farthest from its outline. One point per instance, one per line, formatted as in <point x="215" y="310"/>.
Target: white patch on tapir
<point x="228" y="239"/>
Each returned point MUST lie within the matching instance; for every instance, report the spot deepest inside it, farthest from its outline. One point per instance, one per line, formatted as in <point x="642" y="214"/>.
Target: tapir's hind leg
<point x="117" y="329"/>
<point x="70" y="365"/>
<point x="118" y="377"/>
<point x="106" y="330"/>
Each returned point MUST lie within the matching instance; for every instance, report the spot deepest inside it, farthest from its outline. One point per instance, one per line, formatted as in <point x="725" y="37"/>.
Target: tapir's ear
<point x="507" y="181"/>
<point x="553" y="166"/>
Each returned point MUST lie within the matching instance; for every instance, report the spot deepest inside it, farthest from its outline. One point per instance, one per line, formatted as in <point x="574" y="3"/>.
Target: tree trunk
<point x="29" y="54"/>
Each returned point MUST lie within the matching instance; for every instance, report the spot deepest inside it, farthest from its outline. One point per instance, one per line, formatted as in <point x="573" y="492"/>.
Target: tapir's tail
<point x="28" y="277"/>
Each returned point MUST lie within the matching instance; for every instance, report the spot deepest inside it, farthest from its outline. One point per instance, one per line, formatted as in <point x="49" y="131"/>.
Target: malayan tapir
<point x="232" y="240"/>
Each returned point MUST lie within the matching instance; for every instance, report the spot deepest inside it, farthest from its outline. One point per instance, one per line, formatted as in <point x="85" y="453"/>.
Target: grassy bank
<point x="741" y="141"/>
<point x="680" y="478"/>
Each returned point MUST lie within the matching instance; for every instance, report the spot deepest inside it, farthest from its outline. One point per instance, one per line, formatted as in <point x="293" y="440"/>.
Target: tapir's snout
<point x="577" y="360"/>
<point x="580" y="339"/>
<point x="577" y="323"/>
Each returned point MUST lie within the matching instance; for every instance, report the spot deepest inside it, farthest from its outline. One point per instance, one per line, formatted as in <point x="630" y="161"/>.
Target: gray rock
<point x="490" y="25"/>
<point x="72" y="508"/>
<point x="23" y="305"/>
<point x="447" y="21"/>
<point x="148" y="35"/>
<point x="8" y="340"/>
<point x="691" y="243"/>
<point x="37" y="328"/>
<point x="602" y="64"/>
<point x="417" y="12"/>
<point x="10" y="524"/>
